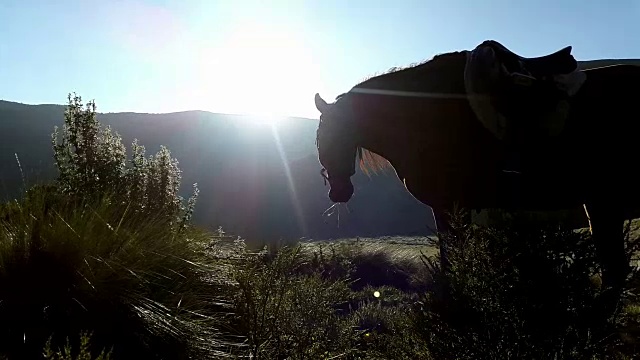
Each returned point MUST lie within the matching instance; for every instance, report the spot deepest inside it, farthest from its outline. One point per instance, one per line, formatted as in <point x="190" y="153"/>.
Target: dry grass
<point x="398" y="248"/>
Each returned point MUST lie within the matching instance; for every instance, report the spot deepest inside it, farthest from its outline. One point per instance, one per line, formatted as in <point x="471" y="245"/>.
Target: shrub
<point x="284" y="314"/>
<point x="385" y="331"/>
<point x="518" y="290"/>
<point x="67" y="353"/>
<point x="91" y="162"/>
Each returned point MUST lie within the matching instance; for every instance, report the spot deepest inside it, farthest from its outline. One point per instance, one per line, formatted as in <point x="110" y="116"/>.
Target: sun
<point x="259" y="70"/>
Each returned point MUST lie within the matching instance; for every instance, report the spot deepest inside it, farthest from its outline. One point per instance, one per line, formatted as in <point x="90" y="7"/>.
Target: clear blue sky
<point x="244" y="56"/>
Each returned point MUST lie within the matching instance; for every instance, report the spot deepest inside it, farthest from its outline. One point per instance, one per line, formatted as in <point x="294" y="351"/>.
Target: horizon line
<point x="166" y="113"/>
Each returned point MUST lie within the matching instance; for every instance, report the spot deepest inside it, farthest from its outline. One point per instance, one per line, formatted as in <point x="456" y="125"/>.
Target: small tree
<point x="92" y="162"/>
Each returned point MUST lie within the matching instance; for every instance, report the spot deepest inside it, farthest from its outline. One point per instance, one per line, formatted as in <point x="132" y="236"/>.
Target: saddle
<point x="559" y="62"/>
<point x="507" y="90"/>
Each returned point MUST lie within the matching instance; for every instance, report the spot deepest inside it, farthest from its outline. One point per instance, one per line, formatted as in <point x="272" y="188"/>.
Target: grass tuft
<point x="141" y="287"/>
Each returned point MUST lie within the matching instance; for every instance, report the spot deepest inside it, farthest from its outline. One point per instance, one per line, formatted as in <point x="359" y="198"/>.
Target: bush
<point x="91" y="162"/>
<point x="385" y="331"/>
<point x="282" y="313"/>
<point x="517" y="290"/>
<point x="67" y="353"/>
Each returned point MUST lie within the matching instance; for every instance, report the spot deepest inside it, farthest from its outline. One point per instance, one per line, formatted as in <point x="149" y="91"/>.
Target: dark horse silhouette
<point x="418" y="121"/>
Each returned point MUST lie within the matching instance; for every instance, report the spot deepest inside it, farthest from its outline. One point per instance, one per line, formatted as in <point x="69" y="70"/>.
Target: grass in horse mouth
<point x="335" y="209"/>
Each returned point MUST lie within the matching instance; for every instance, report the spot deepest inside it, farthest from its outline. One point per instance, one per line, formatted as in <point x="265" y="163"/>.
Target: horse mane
<point x="401" y="70"/>
<point x="371" y="162"/>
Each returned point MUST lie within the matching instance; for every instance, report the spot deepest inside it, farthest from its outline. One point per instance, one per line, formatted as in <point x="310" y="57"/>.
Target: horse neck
<point x="395" y="126"/>
<point x="434" y="145"/>
<point x="381" y="133"/>
<point x="410" y="111"/>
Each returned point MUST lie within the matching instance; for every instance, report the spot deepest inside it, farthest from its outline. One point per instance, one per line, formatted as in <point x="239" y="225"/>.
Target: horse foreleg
<point x="606" y="225"/>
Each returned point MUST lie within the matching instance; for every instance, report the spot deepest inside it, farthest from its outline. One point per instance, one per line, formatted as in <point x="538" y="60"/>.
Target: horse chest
<point x="439" y="185"/>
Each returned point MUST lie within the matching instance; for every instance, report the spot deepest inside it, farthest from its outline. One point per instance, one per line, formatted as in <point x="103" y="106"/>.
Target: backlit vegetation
<point x="105" y="263"/>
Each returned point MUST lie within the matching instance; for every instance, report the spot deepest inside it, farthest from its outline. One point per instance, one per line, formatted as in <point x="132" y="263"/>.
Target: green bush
<point x="92" y="161"/>
<point x="67" y="353"/>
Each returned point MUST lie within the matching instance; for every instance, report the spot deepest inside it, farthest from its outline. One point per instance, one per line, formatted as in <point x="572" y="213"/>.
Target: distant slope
<point x="589" y="64"/>
<point x="239" y="169"/>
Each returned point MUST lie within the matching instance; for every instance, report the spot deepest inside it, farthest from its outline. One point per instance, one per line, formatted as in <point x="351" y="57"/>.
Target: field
<point x="411" y="248"/>
<point x="481" y="275"/>
<point x="396" y="247"/>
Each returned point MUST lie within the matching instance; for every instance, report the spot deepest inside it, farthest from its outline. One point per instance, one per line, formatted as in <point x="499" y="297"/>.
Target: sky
<point x="270" y="57"/>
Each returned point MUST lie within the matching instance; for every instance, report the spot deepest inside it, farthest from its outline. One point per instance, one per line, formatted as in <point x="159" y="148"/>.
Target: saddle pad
<point x="480" y="75"/>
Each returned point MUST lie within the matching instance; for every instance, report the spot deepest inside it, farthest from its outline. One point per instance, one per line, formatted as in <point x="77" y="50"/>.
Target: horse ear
<point x="321" y="105"/>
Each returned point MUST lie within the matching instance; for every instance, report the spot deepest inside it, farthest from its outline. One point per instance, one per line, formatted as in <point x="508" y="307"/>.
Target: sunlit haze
<point x="269" y="58"/>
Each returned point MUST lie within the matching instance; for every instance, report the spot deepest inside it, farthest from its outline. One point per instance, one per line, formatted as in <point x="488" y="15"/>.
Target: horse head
<point x="337" y="143"/>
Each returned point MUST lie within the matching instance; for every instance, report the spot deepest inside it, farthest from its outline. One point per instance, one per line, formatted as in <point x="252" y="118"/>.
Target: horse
<point x="419" y="122"/>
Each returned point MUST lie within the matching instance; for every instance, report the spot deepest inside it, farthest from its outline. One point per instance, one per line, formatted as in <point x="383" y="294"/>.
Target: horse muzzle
<point x="341" y="190"/>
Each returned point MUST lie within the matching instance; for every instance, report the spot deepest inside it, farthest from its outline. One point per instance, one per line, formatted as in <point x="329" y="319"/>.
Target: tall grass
<point x="289" y="305"/>
<point x="141" y="287"/>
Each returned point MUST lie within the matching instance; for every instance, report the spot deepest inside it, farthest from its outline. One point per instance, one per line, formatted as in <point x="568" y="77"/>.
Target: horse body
<point x="444" y="156"/>
<point x="420" y="121"/>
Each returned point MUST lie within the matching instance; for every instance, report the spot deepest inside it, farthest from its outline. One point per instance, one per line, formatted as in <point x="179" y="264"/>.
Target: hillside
<point x="239" y="170"/>
<point x="589" y="64"/>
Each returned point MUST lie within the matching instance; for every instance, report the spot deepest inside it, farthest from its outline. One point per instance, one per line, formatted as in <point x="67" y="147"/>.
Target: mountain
<point x="240" y="168"/>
